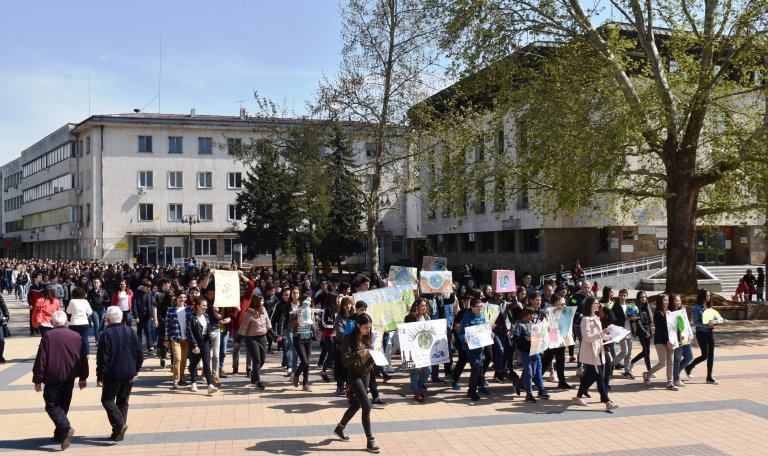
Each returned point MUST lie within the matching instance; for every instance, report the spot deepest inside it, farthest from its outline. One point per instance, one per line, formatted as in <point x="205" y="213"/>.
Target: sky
<point x="214" y="54"/>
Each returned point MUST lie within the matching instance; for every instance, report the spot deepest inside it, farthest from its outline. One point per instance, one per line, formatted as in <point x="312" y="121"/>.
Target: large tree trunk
<point x="373" y="242"/>
<point x="274" y="260"/>
<point x="681" y="245"/>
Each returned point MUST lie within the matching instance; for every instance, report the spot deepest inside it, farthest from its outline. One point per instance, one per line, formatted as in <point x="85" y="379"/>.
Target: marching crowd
<point x="174" y="310"/>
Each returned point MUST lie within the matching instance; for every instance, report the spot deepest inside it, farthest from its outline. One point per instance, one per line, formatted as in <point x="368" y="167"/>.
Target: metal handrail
<point x="625" y="267"/>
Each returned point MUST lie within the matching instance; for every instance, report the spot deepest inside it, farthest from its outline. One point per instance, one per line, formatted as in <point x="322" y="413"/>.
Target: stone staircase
<point x="730" y="275"/>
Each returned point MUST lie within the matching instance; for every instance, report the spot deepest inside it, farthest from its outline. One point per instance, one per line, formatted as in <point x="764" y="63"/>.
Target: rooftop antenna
<point x="160" y="74"/>
<point x="89" y="94"/>
<point x="241" y="102"/>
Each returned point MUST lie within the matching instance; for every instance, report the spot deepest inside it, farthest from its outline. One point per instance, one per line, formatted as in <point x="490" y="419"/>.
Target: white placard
<point x="661" y="233"/>
<point x="617" y="333"/>
<point x="379" y="357"/>
<point x="627" y="248"/>
<point x="614" y="243"/>
<point x="478" y="336"/>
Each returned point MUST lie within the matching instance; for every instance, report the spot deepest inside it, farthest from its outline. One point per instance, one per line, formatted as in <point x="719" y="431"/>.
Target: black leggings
<point x="359" y="385"/>
<point x="304" y="350"/>
<point x="461" y="362"/>
<point x="257" y="348"/>
<point x="706" y="342"/>
<point x="339" y="371"/>
<point x="205" y="356"/>
<point x="645" y="343"/>
<point x="558" y="354"/>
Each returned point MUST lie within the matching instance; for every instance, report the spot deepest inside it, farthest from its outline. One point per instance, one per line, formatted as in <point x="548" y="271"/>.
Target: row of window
<point x="145" y="179"/>
<point x="59" y="184"/>
<point x="12" y="204"/>
<point x="486" y="242"/>
<point x="59" y="154"/>
<point x="176" y="212"/>
<point x="12" y="180"/>
<point x="176" y="145"/>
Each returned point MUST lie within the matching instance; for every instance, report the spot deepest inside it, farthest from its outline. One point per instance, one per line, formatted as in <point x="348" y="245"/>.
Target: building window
<point x="530" y="241"/>
<point x="604" y="242"/>
<point x="174" y="145"/>
<point x="234" y="145"/>
<point x="370" y="149"/>
<point x="470" y="243"/>
<point x="145" y="144"/>
<point x="205" y="212"/>
<point x="175" y="212"/>
<point x="145" y="179"/>
<point x="233" y="213"/>
<point x="369" y="182"/>
<point x="397" y="244"/>
<point x="87" y="145"/>
<point x="146" y="212"/>
<point x="205" y="146"/>
<point x="507" y="240"/>
<point x="205" y="247"/>
<point x="175" y="179"/>
<point x="487" y="241"/>
<point x="228" y="243"/>
<point x="205" y="179"/>
<point x="234" y="180"/>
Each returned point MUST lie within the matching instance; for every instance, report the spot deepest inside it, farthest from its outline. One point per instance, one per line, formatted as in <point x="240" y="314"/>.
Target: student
<point x="591" y="355"/>
<point x="462" y="361"/>
<point x="355" y="354"/>
<point x="641" y="328"/>
<point x="683" y="353"/>
<point x="419" y="376"/>
<point x="558" y="354"/>
<point x="705" y="336"/>
<point x="531" y="363"/>
<point x="475" y="355"/>
<point x="199" y="344"/>
<point x="253" y="330"/>
<point x="664" y="348"/>
<point x="339" y="323"/>
<point x="622" y="318"/>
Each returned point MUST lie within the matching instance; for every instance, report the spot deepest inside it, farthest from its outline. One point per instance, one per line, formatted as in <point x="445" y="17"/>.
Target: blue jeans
<point x="223" y="349"/>
<point x="418" y="380"/>
<point x="144" y="327"/>
<point x="498" y="354"/>
<point x="475" y="358"/>
<point x="291" y="357"/>
<point x="531" y="371"/>
<point x="127" y="318"/>
<point x="97" y="318"/>
<point x="683" y="357"/>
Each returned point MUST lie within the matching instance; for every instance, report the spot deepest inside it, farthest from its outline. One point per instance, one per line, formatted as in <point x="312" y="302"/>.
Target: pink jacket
<point x="254" y="324"/>
<point x="592" y="339"/>
<point x="43" y="311"/>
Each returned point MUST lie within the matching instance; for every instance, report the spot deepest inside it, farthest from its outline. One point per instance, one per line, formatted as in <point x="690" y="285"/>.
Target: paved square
<point x="701" y="419"/>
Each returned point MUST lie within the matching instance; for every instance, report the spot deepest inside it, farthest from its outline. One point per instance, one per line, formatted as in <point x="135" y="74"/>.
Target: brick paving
<point x="701" y="419"/>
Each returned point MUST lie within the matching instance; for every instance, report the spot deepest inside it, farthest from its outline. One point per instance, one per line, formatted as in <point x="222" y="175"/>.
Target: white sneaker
<point x="212" y="389"/>
<point x="610" y="406"/>
<point x="679" y="384"/>
<point x="193" y="388"/>
<point x="175" y="385"/>
<point x="672" y="387"/>
<point x="579" y="401"/>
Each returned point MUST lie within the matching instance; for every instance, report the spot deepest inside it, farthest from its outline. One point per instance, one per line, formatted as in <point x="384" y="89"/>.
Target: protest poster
<point x="430" y="263"/>
<point x="227" y="286"/>
<point x="448" y="308"/>
<point x="387" y="306"/>
<point x="379" y="358"/>
<point x="617" y="333"/>
<point x="503" y="281"/>
<point x="479" y="336"/>
<point x="423" y="343"/>
<point x="402" y="275"/>
<point x="560" y="321"/>
<point x="436" y="282"/>
<point x="712" y="316"/>
<point x="491" y="312"/>
<point x="539" y="337"/>
<point x="678" y="327"/>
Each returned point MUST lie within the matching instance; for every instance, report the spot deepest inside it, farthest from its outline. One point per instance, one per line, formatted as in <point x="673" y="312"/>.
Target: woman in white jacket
<point x="80" y="311"/>
<point x="591" y="354"/>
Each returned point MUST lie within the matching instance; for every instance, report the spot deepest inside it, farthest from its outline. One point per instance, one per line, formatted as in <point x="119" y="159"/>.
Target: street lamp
<point x="190" y="219"/>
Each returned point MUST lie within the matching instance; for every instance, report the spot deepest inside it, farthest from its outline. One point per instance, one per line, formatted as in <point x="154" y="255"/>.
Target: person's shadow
<point x="49" y="445"/>
<point x="297" y="447"/>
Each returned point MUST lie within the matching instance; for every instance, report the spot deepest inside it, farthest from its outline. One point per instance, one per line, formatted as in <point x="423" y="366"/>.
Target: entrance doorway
<point x="710" y="246"/>
<point x="147" y="247"/>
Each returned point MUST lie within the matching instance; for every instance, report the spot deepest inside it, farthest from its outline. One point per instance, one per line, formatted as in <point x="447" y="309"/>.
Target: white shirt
<point x="203" y="322"/>
<point x="181" y="315"/>
<point x="122" y="301"/>
<point x="79" y="311"/>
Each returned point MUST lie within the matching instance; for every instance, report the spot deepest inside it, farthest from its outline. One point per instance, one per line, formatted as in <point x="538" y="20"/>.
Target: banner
<point x="491" y="312"/>
<point x="712" y="316"/>
<point x="402" y="275"/>
<point x="503" y="281"/>
<point x="430" y="263"/>
<point x="387" y="306"/>
<point x="479" y="336"/>
<point x="436" y="282"/>
<point x="539" y="338"/>
<point x="678" y="327"/>
<point x="560" y="321"/>
<point x="227" y="287"/>
<point x="423" y="343"/>
<point x="617" y="333"/>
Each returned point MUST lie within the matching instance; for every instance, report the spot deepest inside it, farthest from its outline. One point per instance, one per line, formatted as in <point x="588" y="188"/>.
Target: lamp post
<point x="190" y="219"/>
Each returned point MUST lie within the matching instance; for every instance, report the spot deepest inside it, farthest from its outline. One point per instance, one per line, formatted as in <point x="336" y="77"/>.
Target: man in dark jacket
<point x="60" y="358"/>
<point x="144" y="312"/>
<point x="118" y="360"/>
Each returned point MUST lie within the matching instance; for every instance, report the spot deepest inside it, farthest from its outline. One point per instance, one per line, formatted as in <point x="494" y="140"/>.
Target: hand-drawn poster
<point x="436" y="282"/>
<point x="387" y="306"/>
<point x="503" y="281"/>
<point x="712" y="316"/>
<point x="560" y="321"/>
<point x="227" y="285"/>
<point x="401" y="275"/>
<point x="431" y="263"/>
<point x="379" y="357"/>
<point x="479" y="336"/>
<point x="539" y="337"/>
<point x="423" y="343"/>
<point x="678" y="327"/>
<point x="491" y="312"/>
<point x="617" y="333"/>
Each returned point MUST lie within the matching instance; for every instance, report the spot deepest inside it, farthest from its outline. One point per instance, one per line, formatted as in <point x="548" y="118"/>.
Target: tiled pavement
<point x="731" y="418"/>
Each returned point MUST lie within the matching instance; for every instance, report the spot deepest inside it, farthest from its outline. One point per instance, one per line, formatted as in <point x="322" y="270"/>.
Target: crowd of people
<point x="174" y="310"/>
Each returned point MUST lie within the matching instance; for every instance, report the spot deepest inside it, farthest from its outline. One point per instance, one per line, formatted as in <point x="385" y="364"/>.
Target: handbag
<point x="6" y="331"/>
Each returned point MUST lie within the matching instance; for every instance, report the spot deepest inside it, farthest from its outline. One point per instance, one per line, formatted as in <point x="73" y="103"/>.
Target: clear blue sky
<point x="213" y="54"/>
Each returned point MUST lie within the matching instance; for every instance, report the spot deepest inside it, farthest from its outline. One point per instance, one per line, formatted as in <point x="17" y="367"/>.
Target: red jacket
<point x="43" y="311"/>
<point x="245" y="302"/>
<point x="116" y="299"/>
